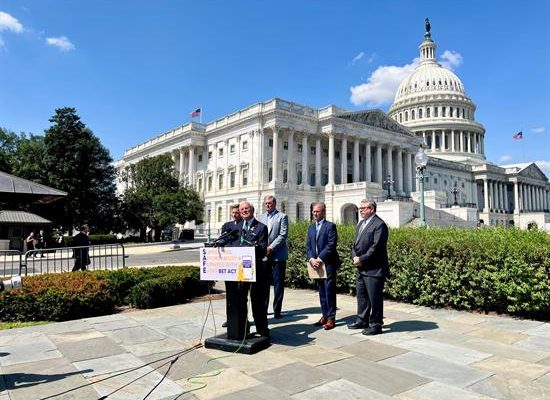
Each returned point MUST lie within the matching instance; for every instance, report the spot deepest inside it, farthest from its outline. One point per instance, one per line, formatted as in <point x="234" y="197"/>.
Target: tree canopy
<point x="154" y="196"/>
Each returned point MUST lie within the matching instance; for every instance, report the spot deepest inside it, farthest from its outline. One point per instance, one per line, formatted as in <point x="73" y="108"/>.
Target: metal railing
<point x="64" y="259"/>
<point x="10" y="262"/>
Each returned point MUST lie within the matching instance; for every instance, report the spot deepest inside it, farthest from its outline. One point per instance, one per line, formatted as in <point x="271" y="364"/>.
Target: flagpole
<point x="200" y="115"/>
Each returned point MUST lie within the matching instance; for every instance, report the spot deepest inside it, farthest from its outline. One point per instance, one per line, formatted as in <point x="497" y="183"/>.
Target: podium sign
<point x="234" y="264"/>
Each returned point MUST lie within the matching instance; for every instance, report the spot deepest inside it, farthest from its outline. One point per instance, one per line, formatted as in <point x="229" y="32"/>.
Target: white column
<point x="291" y="172"/>
<point x="318" y="161"/>
<point x="344" y="161"/>
<point x="379" y="178"/>
<point x="180" y="177"/>
<point x="399" y="171"/>
<point x="433" y="141"/>
<point x="305" y="161"/>
<point x="356" y="160"/>
<point x="470" y="142"/>
<point x="443" y="140"/>
<point x="275" y="156"/>
<point x="408" y="173"/>
<point x="330" y="159"/>
<point x="191" y="165"/>
<point x="486" y="205"/>
<point x="505" y="191"/>
<point x="453" y="145"/>
<point x="389" y="161"/>
<point x="368" y="166"/>
<point x="516" y="198"/>
<point x="461" y="141"/>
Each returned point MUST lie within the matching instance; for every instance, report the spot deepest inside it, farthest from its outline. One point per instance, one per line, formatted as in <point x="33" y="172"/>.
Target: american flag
<point x="196" y="113"/>
<point x="518" y="136"/>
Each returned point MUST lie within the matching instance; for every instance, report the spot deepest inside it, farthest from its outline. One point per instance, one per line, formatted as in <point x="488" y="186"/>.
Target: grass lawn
<point x="12" y="325"/>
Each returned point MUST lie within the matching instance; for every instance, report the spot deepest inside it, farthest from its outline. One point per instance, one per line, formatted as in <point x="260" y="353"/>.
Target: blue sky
<point x="135" y="69"/>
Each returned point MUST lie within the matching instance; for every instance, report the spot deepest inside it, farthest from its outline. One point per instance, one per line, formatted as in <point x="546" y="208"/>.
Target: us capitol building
<point x="303" y="155"/>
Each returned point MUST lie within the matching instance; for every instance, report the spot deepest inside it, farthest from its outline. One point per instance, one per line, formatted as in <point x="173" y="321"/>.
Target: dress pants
<point x="327" y="294"/>
<point x="259" y="295"/>
<point x="278" y="274"/>
<point x="370" y="299"/>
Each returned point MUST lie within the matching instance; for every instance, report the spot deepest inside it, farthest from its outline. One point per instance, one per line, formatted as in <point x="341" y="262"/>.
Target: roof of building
<point x="13" y="184"/>
<point x="21" y="217"/>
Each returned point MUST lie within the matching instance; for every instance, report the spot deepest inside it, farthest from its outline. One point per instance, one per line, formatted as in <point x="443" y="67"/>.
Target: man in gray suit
<point x="277" y="250"/>
<point x="370" y="258"/>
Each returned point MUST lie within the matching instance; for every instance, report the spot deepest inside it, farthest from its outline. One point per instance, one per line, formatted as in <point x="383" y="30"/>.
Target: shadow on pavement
<point x="411" y="326"/>
<point x="21" y="380"/>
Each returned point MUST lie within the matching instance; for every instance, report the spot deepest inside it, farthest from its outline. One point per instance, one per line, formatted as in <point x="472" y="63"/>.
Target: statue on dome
<point x="428" y="28"/>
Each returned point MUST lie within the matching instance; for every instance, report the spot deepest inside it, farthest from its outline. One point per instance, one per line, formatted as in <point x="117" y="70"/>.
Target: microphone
<point x="225" y="237"/>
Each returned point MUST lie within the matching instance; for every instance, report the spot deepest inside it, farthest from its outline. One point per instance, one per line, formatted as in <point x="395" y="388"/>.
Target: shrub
<point x="502" y="270"/>
<point x="59" y="297"/>
<point x="68" y="241"/>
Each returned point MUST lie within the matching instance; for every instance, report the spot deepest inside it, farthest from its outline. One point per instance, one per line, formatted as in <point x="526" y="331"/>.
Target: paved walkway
<point x="423" y="354"/>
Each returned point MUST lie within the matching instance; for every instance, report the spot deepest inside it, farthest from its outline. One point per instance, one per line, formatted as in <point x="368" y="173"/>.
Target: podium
<point x="238" y="271"/>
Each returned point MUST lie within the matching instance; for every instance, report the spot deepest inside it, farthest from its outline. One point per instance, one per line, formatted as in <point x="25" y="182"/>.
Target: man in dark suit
<point x="253" y="233"/>
<point x="370" y="258"/>
<point x="321" y="243"/>
<point x="230" y="237"/>
<point x="81" y="253"/>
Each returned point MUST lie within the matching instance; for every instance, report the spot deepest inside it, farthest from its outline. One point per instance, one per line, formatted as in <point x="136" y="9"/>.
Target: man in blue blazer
<point x="277" y="251"/>
<point x="322" y="239"/>
<point x="370" y="258"/>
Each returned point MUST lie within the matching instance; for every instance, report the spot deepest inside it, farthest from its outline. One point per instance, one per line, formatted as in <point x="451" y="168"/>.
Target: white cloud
<point x="504" y="159"/>
<point x="539" y="129"/>
<point x="544" y="165"/>
<point x="381" y="85"/>
<point x="451" y="59"/>
<point x="62" y="42"/>
<point x="9" y="23"/>
<point x="357" y="57"/>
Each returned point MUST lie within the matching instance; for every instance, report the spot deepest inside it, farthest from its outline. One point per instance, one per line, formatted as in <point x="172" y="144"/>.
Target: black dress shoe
<point x="224" y="325"/>
<point x="277" y="316"/>
<point x="357" y="325"/>
<point x="372" y="330"/>
<point x="263" y="333"/>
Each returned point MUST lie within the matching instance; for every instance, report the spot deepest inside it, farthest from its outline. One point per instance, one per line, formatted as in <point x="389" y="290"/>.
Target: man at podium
<point x="253" y="233"/>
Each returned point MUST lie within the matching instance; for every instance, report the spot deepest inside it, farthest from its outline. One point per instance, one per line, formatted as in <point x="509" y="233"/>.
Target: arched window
<point x="412" y="115"/>
<point x="428" y="112"/>
<point x="220" y="212"/>
<point x="400" y="117"/>
<point x="419" y="113"/>
<point x="406" y="116"/>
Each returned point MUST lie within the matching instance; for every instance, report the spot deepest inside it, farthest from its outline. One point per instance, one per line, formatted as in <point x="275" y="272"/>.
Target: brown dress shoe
<point x="329" y="325"/>
<point x="321" y="322"/>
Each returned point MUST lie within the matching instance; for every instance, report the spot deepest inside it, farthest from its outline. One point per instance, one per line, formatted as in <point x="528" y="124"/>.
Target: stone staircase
<point x="440" y="218"/>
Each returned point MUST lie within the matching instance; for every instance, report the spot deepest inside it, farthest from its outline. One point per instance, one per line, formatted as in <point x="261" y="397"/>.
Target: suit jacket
<point x="231" y="226"/>
<point x="255" y="236"/>
<point x="325" y="243"/>
<point x="371" y="248"/>
<point x="277" y="235"/>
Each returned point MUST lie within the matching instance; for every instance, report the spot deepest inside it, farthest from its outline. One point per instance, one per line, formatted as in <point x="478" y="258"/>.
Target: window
<point x="443" y="109"/>
<point x="270" y="174"/>
<point x="337" y="154"/>
<point x="427" y="112"/>
<point x="285" y="145"/>
<point x="200" y="157"/>
<point x="312" y="179"/>
<point x="210" y="183"/>
<point x="299" y="178"/>
<point x="419" y="113"/>
<point x="245" y="177"/>
<point x="300" y="148"/>
<point x="219" y="214"/>
<point x="220" y="152"/>
<point x="406" y="116"/>
<point x="232" y="148"/>
<point x="435" y="111"/>
<point x="220" y="181"/>
<point x="450" y="112"/>
<point x="245" y="145"/>
<point x="209" y="155"/>
<point x="400" y="117"/>
<point x="312" y="149"/>
<point x="348" y="156"/>
<point x="285" y="176"/>
<point x="412" y="115"/>
<point x="199" y="185"/>
<point x="232" y="179"/>
<point x="270" y="142"/>
<point x="325" y="152"/>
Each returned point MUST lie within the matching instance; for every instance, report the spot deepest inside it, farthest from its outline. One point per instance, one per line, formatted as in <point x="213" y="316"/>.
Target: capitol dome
<point x="433" y="103"/>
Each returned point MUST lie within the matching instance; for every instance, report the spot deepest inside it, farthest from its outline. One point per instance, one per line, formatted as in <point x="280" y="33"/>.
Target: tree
<point x="155" y="198"/>
<point x="8" y="146"/>
<point x="28" y="160"/>
<point x="76" y="162"/>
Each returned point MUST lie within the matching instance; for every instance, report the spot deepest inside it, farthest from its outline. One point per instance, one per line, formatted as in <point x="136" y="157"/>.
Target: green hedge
<point x="68" y="241"/>
<point x="60" y="297"/>
<point x="502" y="270"/>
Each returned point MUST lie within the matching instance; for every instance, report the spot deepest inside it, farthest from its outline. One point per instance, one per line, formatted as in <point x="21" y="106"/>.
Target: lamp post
<point x="455" y="191"/>
<point x="421" y="160"/>
<point x="209" y="210"/>
<point x="389" y="182"/>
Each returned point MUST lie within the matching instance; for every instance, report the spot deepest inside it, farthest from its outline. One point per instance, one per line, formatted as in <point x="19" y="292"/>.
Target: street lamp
<point x="209" y="210"/>
<point x="421" y="160"/>
<point x="389" y="182"/>
<point x="455" y="191"/>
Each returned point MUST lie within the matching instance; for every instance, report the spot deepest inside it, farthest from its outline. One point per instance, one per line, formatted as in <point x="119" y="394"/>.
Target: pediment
<point x="533" y="171"/>
<point x="377" y="119"/>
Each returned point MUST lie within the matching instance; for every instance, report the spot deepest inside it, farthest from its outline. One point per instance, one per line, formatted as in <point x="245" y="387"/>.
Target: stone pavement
<point x="422" y="354"/>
